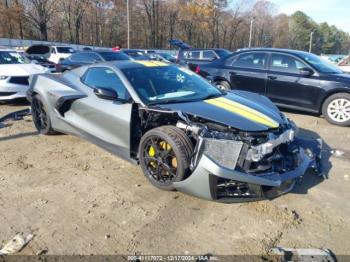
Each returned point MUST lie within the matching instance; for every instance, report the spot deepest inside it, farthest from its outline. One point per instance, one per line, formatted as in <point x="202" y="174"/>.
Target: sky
<point x="334" y="12"/>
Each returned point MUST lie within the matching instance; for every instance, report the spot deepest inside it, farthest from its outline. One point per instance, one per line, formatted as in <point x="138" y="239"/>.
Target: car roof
<point x="204" y="49"/>
<point x="265" y="49"/>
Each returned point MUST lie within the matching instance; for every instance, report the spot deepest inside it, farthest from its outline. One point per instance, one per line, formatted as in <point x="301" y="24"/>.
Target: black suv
<point x="290" y="78"/>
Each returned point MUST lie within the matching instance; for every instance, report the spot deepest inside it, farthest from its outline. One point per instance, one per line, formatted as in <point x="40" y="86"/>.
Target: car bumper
<point x="206" y="180"/>
<point x="12" y="91"/>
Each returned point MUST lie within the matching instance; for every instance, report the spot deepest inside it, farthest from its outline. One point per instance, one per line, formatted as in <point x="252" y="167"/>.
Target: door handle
<point x="272" y="77"/>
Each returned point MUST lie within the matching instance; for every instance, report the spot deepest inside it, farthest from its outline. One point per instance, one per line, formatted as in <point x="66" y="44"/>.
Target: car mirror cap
<point x="105" y="93"/>
<point x="306" y="72"/>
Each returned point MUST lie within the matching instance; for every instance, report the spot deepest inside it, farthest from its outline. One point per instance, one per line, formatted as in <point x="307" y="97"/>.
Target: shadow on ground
<point x="18" y="136"/>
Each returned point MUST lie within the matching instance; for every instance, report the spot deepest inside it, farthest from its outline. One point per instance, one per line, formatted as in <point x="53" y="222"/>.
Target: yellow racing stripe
<point x="151" y="63"/>
<point x="243" y="110"/>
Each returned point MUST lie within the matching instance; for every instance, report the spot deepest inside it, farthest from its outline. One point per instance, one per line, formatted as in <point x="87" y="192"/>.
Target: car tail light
<point x="198" y="69"/>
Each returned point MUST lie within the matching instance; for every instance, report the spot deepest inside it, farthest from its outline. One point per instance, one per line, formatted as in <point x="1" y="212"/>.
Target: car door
<point x="287" y="86"/>
<point x="105" y="121"/>
<point x="248" y="72"/>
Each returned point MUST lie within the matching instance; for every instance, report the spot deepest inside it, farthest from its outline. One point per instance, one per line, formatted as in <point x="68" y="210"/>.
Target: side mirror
<point x="306" y="71"/>
<point x="105" y="93"/>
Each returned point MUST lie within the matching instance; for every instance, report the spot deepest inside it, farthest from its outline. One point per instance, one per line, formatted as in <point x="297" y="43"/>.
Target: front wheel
<point x="165" y="154"/>
<point x="41" y="117"/>
<point x="336" y="109"/>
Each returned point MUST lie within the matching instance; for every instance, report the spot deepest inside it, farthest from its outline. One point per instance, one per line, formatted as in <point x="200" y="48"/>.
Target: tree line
<point x="201" y="23"/>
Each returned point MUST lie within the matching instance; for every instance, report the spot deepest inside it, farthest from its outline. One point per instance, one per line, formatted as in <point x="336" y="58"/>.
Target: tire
<point x="336" y="109"/>
<point x="222" y="84"/>
<point x="40" y="116"/>
<point x="165" y="153"/>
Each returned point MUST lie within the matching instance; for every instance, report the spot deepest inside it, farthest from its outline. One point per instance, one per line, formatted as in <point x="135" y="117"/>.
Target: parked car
<point x="136" y="54"/>
<point x="185" y="133"/>
<point x="60" y="52"/>
<point x="196" y="56"/>
<point x="291" y="79"/>
<point x="15" y="70"/>
<point x="163" y="57"/>
<point x="344" y="64"/>
<point x="52" y="53"/>
<point x="89" y="57"/>
<point x="41" y="60"/>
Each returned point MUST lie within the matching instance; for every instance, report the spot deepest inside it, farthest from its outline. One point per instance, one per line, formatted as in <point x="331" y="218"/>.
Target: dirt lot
<point x="78" y="199"/>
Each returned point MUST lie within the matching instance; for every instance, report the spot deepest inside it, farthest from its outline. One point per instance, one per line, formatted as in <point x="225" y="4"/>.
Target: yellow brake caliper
<point x="165" y="146"/>
<point x="152" y="153"/>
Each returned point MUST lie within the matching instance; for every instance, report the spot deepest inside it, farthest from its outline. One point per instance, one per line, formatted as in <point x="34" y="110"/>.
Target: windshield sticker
<point x="17" y="56"/>
<point x="180" y="78"/>
<point x="109" y="71"/>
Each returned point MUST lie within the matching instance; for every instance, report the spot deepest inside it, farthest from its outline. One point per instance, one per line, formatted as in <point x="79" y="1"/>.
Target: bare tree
<point x="40" y="12"/>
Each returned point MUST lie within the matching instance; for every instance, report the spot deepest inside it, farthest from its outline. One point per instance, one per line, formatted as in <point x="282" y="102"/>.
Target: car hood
<point x="21" y="69"/>
<point x="238" y="109"/>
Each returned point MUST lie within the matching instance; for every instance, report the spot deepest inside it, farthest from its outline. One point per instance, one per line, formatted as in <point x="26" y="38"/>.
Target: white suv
<point x="60" y="52"/>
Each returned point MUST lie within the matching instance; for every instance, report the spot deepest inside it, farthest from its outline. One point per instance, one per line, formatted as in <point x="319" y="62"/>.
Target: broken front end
<point x="236" y="166"/>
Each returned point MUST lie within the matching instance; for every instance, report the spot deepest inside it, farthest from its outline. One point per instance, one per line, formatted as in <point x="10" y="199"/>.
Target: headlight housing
<point x="3" y="77"/>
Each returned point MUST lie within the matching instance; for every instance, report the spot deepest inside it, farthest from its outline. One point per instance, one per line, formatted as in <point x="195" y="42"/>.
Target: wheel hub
<point x="160" y="160"/>
<point x="339" y="110"/>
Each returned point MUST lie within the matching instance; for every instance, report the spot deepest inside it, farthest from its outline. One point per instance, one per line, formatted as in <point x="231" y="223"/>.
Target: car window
<point x="169" y="84"/>
<point x="85" y="58"/>
<point x="222" y="52"/>
<point x="79" y="57"/>
<point x="320" y="64"/>
<point x="65" y="50"/>
<point x="251" y="60"/>
<point x="114" y="56"/>
<point x="103" y="77"/>
<point x="209" y="55"/>
<point x="191" y="54"/>
<point x="93" y="57"/>
<point x="286" y="63"/>
<point x="9" y="57"/>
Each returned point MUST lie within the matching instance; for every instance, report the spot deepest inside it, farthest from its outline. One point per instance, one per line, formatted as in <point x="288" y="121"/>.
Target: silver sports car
<point x="185" y="133"/>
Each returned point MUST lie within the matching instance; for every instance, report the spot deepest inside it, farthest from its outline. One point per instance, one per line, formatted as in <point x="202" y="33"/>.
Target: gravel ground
<point x="78" y="199"/>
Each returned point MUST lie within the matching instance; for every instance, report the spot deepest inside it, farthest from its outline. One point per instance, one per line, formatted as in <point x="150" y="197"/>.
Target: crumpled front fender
<point x="199" y="182"/>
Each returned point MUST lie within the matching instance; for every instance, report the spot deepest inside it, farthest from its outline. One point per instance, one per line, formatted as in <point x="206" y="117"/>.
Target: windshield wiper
<point x="166" y="101"/>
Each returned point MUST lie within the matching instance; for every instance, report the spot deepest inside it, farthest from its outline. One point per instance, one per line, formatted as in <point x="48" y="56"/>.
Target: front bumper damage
<point x="214" y="181"/>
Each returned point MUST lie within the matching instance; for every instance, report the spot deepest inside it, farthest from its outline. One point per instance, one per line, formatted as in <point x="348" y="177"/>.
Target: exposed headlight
<point x="3" y="77"/>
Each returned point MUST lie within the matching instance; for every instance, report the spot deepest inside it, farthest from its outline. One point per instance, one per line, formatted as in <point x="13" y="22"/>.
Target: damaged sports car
<point x="186" y="134"/>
